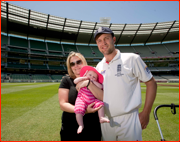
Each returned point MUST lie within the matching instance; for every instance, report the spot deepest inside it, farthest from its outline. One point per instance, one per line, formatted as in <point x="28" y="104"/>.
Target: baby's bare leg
<point x="101" y="116"/>
<point x="79" y="118"/>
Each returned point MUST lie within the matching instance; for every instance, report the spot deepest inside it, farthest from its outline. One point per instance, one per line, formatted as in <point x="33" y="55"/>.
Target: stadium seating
<point x="18" y="50"/>
<point x="38" y="52"/>
<point x="54" y="47"/>
<point x="173" y="47"/>
<point x="40" y="77"/>
<point x="21" y="56"/>
<point x="19" y="77"/>
<point x="143" y="51"/>
<point x="159" y="78"/>
<point x="153" y="69"/>
<point x="56" y="53"/>
<point x="20" y="42"/>
<point x="85" y="50"/>
<point x="51" y="67"/>
<point x="56" y="77"/>
<point x="3" y="75"/>
<point x="39" y="67"/>
<point x="96" y="52"/>
<point x="126" y="49"/>
<point x="170" y="77"/>
<point x="37" y="44"/>
<point x="17" y="65"/>
<point x="38" y="58"/>
<point x="4" y="40"/>
<point x="68" y="48"/>
<point x="165" y="68"/>
<point x="159" y="50"/>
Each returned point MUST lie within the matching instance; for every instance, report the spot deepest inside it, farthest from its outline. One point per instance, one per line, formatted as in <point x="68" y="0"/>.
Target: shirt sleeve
<point x="140" y="70"/>
<point x="64" y="83"/>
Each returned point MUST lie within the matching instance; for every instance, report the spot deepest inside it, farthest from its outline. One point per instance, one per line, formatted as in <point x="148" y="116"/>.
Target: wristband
<point x="88" y="84"/>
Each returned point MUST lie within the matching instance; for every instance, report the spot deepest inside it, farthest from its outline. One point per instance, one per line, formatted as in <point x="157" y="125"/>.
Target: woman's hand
<point x="82" y="84"/>
<point x="90" y="108"/>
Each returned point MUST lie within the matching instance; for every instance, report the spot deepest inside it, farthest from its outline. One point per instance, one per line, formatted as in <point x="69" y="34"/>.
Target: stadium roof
<point x="31" y="24"/>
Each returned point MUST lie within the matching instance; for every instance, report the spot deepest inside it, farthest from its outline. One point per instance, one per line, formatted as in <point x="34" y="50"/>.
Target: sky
<point x="120" y="12"/>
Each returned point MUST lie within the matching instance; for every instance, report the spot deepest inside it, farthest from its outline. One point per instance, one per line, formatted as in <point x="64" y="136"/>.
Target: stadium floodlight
<point x="105" y="20"/>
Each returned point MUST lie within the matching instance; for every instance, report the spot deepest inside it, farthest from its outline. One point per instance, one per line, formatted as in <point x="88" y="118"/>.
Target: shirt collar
<point x="116" y="57"/>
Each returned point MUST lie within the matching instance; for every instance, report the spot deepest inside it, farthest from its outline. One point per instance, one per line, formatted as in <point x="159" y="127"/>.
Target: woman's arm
<point x="63" y="100"/>
<point x="97" y="92"/>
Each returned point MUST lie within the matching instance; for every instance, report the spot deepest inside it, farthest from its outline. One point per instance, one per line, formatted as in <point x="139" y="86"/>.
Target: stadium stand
<point x="68" y="48"/>
<point x="56" y="77"/>
<point x="171" y="78"/>
<point x="54" y="47"/>
<point x="126" y="49"/>
<point x="96" y="52"/>
<point x="42" y="50"/>
<point x="56" y="53"/>
<point x="37" y="45"/>
<point x="38" y="58"/>
<point x="51" y="67"/>
<point x="3" y="75"/>
<point x="173" y="47"/>
<point x="39" y="67"/>
<point x="85" y="50"/>
<point x="13" y="49"/>
<point x="143" y="51"/>
<point x="159" y="50"/>
<point x="4" y="40"/>
<point x="17" y="65"/>
<point x="20" y="42"/>
<point x="159" y="78"/>
<point x="19" y="77"/>
<point x="41" y="77"/>
<point x="38" y="52"/>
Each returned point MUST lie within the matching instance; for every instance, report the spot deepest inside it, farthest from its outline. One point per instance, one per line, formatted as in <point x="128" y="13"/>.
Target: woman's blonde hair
<point x="71" y="54"/>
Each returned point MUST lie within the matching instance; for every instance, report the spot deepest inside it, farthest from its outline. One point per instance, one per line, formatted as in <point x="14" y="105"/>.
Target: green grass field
<point x="31" y="112"/>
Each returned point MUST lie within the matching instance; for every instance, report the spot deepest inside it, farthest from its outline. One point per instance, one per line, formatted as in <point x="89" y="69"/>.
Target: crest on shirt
<point x="147" y="70"/>
<point x="119" y="71"/>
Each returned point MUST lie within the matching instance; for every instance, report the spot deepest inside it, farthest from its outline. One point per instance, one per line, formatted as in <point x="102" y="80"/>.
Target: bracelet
<point x="88" y="84"/>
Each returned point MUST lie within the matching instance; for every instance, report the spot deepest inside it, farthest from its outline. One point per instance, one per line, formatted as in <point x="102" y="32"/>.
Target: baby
<point x="85" y="97"/>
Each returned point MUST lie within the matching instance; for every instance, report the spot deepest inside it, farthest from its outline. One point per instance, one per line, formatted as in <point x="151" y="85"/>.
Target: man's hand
<point x="90" y="108"/>
<point x="144" y="119"/>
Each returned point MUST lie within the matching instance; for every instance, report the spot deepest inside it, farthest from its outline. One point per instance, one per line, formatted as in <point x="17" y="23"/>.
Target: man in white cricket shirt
<point x="122" y="92"/>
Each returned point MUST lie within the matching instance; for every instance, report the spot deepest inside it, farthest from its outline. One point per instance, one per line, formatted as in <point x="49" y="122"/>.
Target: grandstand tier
<point x="31" y="51"/>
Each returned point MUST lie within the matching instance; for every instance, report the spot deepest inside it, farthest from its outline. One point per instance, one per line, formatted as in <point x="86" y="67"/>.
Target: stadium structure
<point x="34" y="46"/>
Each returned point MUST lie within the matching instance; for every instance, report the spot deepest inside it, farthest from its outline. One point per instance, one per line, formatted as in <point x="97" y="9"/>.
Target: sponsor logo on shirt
<point x="119" y="71"/>
<point x="147" y="70"/>
<point x="103" y="72"/>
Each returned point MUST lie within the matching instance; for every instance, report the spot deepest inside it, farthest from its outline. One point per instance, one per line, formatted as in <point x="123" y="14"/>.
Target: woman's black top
<point x="92" y="129"/>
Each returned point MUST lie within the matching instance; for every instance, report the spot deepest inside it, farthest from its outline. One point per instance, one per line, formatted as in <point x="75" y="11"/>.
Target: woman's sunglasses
<point x="78" y="62"/>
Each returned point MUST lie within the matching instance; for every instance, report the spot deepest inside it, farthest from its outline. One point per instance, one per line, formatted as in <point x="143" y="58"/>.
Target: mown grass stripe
<point x="20" y="88"/>
<point x="36" y="124"/>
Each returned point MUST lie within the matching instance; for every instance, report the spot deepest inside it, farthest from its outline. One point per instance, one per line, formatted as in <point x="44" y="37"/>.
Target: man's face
<point x="105" y="43"/>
